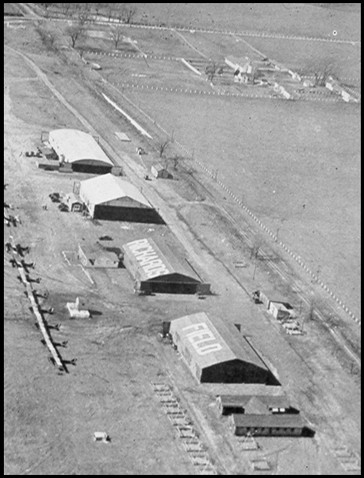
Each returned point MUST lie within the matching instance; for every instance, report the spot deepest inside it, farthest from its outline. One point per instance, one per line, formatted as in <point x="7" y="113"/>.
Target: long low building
<point x="111" y="198"/>
<point x="216" y="356"/>
<point x="79" y="150"/>
<point x="253" y="404"/>
<point x="269" y="425"/>
<point x="155" y="268"/>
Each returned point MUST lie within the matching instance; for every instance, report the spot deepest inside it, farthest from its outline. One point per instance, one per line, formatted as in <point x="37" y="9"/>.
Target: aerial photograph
<point x="182" y="230"/>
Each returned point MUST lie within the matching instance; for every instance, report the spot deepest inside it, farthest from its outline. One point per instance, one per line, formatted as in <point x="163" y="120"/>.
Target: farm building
<point x="214" y="358"/>
<point x="111" y="198"/>
<point x="79" y="150"/>
<point x="159" y="171"/>
<point x="280" y="310"/>
<point x="155" y="268"/>
<point x="268" y="425"/>
<point x="244" y="70"/>
<point x="253" y="404"/>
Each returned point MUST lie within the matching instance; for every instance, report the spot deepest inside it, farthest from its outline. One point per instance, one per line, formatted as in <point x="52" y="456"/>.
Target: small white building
<point x="279" y="310"/>
<point x="243" y="68"/>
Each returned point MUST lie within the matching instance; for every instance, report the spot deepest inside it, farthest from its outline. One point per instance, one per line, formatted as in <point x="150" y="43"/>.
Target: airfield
<point x="252" y="169"/>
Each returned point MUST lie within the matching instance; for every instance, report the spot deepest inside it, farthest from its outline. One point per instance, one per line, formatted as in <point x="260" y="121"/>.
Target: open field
<point x="313" y="219"/>
<point x="150" y="73"/>
<point x="289" y="19"/>
<point x="285" y="159"/>
<point x="308" y="57"/>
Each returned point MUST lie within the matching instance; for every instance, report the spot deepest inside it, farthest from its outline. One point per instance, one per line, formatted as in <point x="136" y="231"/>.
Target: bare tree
<point x="256" y="245"/>
<point x="310" y="314"/>
<point x="128" y="13"/>
<point x="75" y="32"/>
<point x="65" y="8"/>
<point x="84" y="15"/>
<point x="211" y="70"/>
<point x="110" y="11"/>
<point x="162" y="146"/>
<point x="321" y="72"/>
<point x="47" y="36"/>
<point x="116" y="34"/>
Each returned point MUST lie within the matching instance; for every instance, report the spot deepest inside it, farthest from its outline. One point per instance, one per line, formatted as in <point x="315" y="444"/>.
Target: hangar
<point x="155" y="268"/>
<point x="111" y="198"/>
<point x="79" y="150"/>
<point x="214" y="358"/>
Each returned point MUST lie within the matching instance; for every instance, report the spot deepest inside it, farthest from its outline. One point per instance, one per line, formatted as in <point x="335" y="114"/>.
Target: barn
<point x="79" y="150"/>
<point x="112" y="198"/>
<point x="216" y="356"/>
<point x="155" y="268"/>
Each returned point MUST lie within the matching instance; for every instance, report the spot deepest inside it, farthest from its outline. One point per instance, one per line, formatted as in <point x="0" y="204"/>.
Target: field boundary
<point x="227" y="94"/>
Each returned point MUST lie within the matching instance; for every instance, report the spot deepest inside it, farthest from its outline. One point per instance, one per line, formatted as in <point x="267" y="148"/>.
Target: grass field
<point x="308" y="57"/>
<point x="292" y="19"/>
<point x="286" y="161"/>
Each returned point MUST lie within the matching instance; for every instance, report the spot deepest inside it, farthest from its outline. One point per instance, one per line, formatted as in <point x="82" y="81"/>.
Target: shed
<point x="99" y="258"/>
<point x="122" y="136"/>
<point x="216" y="356"/>
<point x="264" y="299"/>
<point x="80" y="150"/>
<point x="74" y="202"/>
<point x="280" y="310"/>
<point x="155" y="268"/>
<point x="229" y="404"/>
<point x="267" y="425"/>
<point x="159" y="171"/>
<point x="111" y="198"/>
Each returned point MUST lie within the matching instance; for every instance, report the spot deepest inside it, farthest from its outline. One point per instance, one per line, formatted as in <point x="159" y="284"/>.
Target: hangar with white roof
<point x="79" y="150"/>
<point x="217" y="356"/>
<point x="112" y="198"/>
<point x="156" y="268"/>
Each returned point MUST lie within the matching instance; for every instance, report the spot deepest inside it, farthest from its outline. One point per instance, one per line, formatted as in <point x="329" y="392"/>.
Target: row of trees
<point x="85" y="11"/>
<point x="76" y="32"/>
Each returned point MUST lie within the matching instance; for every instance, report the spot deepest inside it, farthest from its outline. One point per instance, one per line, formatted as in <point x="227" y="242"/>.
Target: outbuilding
<point x="280" y="310"/>
<point x="254" y="404"/>
<point x="159" y="171"/>
<point x="79" y="150"/>
<point x="111" y="198"/>
<point x="216" y="356"/>
<point x="74" y="202"/>
<point x="268" y="425"/>
<point x="155" y="268"/>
